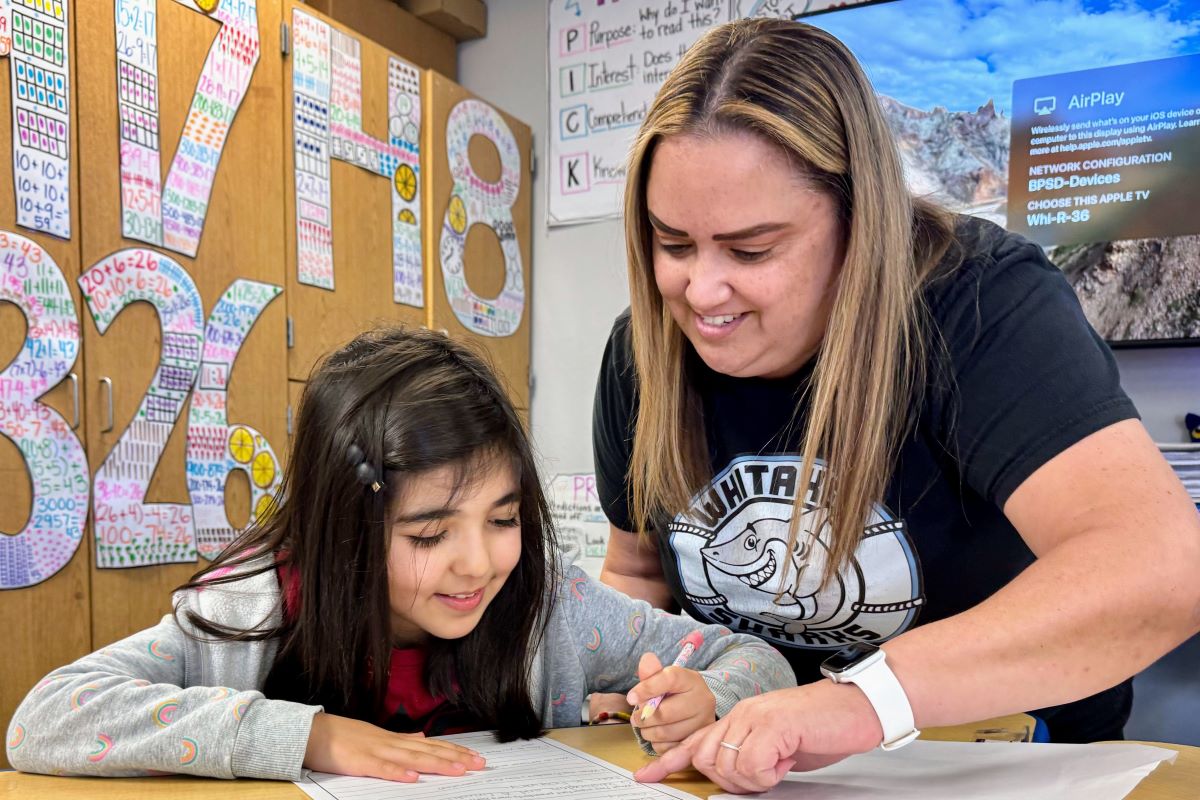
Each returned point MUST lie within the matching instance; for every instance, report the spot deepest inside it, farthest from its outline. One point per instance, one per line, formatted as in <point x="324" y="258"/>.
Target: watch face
<point x="848" y="656"/>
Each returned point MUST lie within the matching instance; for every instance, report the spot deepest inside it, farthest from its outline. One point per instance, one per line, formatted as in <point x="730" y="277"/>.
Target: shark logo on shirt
<point x="758" y="556"/>
<point x="738" y="569"/>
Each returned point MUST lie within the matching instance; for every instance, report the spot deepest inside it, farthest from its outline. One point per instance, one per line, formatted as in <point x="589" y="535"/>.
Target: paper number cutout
<point x="37" y="35"/>
<point x="327" y="123"/>
<point x="214" y="447"/>
<point x="475" y="201"/>
<point x="171" y="214"/>
<point x="129" y="531"/>
<point x="53" y="454"/>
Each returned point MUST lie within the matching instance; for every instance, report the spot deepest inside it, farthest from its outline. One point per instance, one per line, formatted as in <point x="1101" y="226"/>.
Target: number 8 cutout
<point x="476" y="201"/>
<point x="58" y="469"/>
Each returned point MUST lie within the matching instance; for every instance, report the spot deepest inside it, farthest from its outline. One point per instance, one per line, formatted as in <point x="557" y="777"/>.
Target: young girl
<point x="407" y="584"/>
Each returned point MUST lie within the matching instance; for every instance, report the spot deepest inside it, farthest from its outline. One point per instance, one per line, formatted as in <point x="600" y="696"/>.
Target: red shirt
<point x="408" y="706"/>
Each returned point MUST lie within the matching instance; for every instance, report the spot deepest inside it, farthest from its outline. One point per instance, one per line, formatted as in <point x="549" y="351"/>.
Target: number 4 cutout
<point x="171" y="213"/>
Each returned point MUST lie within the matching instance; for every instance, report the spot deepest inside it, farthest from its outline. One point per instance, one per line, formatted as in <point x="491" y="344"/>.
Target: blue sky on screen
<point x="961" y="53"/>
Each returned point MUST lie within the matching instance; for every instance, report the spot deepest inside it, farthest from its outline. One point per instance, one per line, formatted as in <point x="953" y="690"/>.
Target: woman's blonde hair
<point x="800" y="89"/>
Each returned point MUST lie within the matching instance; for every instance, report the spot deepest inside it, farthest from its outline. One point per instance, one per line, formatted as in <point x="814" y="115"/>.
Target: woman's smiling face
<point x="746" y="252"/>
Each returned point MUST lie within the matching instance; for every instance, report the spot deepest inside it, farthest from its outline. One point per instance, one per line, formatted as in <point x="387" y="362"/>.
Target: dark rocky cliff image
<point x="1137" y="289"/>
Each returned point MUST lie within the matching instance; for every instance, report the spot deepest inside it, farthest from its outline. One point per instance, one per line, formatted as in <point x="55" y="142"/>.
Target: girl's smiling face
<point x="746" y="252"/>
<point x="450" y="553"/>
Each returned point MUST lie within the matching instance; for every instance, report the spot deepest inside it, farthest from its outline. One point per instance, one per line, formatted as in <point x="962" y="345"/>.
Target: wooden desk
<point x="1178" y="781"/>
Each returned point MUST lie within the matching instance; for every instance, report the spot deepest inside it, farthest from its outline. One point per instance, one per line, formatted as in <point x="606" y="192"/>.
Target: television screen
<point x="1075" y="123"/>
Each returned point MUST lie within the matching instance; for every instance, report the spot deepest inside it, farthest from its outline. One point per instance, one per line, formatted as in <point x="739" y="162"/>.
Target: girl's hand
<point x="688" y="706"/>
<point x="351" y="747"/>
<point x="804" y="728"/>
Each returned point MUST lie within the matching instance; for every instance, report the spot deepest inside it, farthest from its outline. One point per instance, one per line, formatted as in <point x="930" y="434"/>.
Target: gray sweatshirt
<point x="161" y="701"/>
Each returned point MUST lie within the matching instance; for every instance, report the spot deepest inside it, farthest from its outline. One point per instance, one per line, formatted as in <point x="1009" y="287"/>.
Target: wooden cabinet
<point x="342" y="237"/>
<point x="154" y="346"/>
<point x="477" y="243"/>
<point x="48" y="622"/>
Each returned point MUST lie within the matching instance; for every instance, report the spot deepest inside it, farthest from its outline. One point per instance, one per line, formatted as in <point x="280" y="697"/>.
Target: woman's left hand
<point x="752" y="747"/>
<point x="687" y="708"/>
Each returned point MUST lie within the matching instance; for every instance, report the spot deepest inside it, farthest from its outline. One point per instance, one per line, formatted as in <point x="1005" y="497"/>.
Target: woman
<point x="837" y="414"/>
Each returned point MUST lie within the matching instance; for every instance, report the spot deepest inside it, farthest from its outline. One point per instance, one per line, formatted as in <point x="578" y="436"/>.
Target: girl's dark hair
<point x="410" y="401"/>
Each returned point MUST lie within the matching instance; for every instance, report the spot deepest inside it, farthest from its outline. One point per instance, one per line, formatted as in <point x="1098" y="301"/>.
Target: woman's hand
<point x="351" y="747"/>
<point x="804" y="728"/>
<point x="688" y="706"/>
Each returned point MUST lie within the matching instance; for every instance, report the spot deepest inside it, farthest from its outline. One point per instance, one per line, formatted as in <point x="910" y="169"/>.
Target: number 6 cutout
<point x="58" y="469"/>
<point x="214" y="447"/>
<point x="476" y="201"/>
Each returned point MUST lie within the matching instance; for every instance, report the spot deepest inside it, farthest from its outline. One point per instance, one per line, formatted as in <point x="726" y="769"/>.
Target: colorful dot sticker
<point x="241" y="445"/>
<point x="262" y="471"/>
<point x="406" y="182"/>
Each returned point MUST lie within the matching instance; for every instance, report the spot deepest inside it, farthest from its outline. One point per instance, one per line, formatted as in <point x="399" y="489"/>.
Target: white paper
<point x="524" y="770"/>
<point x="955" y="770"/>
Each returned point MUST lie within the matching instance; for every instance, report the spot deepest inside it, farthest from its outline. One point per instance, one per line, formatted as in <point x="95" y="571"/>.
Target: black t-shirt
<point x="1016" y="375"/>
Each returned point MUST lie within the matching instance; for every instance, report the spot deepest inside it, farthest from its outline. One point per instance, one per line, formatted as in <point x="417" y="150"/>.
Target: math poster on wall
<point x="578" y="516"/>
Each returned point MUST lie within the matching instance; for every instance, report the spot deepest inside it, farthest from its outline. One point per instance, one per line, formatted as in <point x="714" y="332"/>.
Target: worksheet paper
<point x="521" y="770"/>
<point x="996" y="771"/>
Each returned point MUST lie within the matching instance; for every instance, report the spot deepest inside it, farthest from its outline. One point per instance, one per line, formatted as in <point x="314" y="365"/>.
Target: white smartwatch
<point x="866" y="667"/>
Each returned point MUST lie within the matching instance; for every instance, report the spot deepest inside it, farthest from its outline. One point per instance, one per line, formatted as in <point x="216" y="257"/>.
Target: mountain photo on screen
<point x="1075" y="124"/>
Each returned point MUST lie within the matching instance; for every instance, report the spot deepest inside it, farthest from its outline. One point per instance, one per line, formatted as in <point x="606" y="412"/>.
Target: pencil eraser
<point x="695" y="639"/>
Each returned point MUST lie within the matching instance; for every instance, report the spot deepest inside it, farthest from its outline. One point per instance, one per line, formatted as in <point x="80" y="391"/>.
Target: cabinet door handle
<point x="74" y="400"/>
<point x="107" y="384"/>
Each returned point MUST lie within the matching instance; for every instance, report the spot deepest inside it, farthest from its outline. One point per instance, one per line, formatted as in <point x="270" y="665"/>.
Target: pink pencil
<point x="691" y="644"/>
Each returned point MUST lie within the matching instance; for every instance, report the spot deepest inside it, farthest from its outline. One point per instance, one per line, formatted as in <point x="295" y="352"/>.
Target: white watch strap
<point x="881" y="687"/>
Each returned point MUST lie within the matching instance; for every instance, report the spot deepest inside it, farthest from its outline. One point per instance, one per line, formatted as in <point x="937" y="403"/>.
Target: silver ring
<point x="732" y="747"/>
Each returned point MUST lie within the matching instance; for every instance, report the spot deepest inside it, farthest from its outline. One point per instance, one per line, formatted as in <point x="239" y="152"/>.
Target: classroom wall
<point x="579" y="281"/>
<point x="579" y="271"/>
<point x="579" y="287"/>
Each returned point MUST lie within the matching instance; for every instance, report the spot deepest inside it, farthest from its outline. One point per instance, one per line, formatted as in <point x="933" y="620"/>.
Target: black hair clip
<point x="363" y="471"/>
